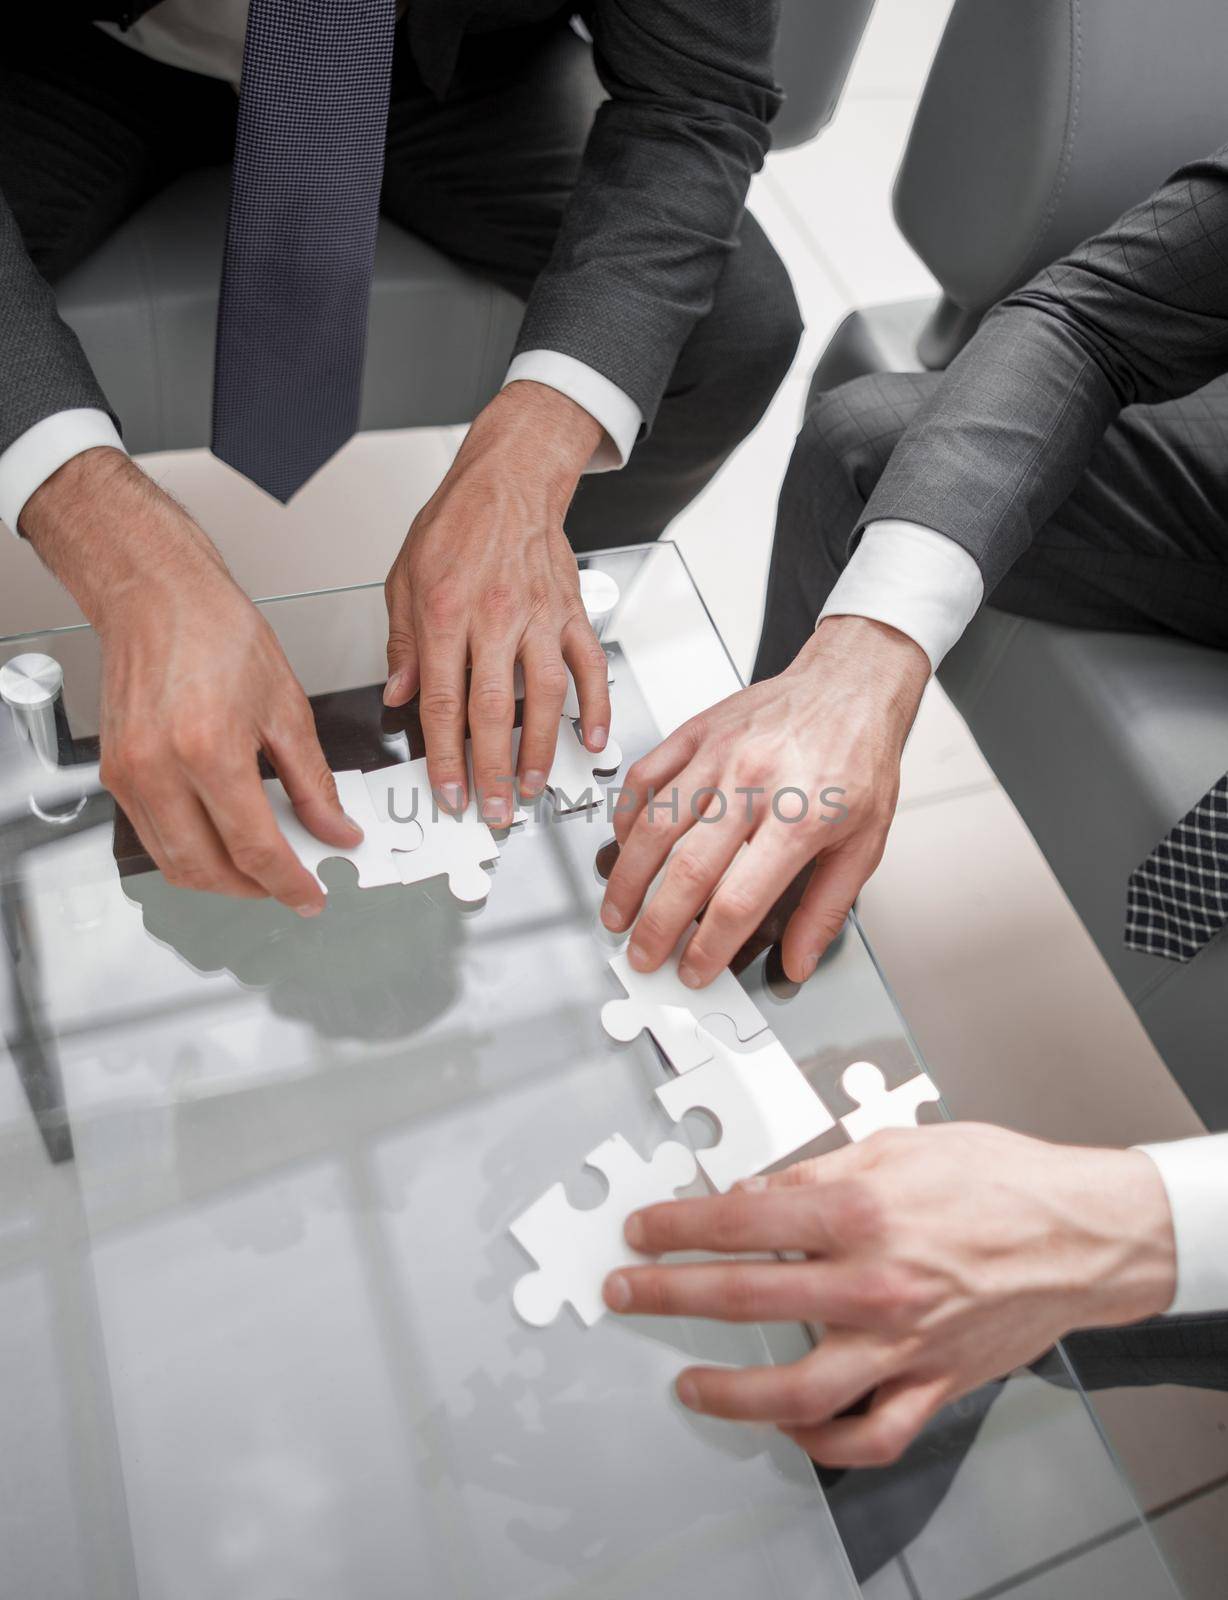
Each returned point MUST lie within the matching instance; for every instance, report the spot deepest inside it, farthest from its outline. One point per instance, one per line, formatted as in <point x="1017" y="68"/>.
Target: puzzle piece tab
<point x="765" y="1107"/>
<point x="661" y="1003"/>
<point x="880" y="1107"/>
<point x="574" y="1250"/>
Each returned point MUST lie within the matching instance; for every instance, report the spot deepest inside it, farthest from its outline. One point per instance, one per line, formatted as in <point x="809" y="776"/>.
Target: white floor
<point x="1002" y="987"/>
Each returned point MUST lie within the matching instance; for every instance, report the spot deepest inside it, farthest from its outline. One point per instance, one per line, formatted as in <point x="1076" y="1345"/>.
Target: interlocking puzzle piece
<point x="880" y="1107"/>
<point x="373" y="859"/>
<point x="573" y="781"/>
<point x="765" y="1107"/>
<point x="661" y="1003"/>
<point x="405" y="839"/>
<point x="427" y="842"/>
<point x="574" y="1250"/>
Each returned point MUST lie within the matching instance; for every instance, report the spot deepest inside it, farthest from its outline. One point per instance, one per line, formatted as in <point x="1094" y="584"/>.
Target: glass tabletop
<point x="256" y="1177"/>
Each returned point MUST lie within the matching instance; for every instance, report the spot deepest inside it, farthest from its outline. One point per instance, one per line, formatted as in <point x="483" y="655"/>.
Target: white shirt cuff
<point x="912" y="579"/>
<point x="1195" y="1174"/>
<point x="604" y="401"/>
<point x="43" y="449"/>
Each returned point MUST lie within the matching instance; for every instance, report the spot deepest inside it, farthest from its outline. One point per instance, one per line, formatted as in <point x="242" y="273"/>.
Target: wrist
<point x="108" y="532"/>
<point x="1130" y="1266"/>
<point x="887" y="665"/>
<point x="539" y="433"/>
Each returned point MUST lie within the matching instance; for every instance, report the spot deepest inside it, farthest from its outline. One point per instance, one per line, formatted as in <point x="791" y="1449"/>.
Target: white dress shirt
<point x="929" y="587"/>
<point x="206" y="36"/>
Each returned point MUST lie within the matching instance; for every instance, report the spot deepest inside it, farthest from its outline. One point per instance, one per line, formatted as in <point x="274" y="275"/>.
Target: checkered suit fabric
<point x="1177" y="899"/>
<point x="300" y="239"/>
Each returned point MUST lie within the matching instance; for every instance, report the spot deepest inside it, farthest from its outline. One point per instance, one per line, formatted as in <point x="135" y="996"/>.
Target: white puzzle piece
<point x="880" y="1107"/>
<point x="373" y="859"/>
<point x="573" y="782"/>
<point x="575" y="1250"/>
<point x="405" y="841"/>
<point x="429" y="843"/>
<point x="661" y="1003"/>
<point x="765" y="1107"/>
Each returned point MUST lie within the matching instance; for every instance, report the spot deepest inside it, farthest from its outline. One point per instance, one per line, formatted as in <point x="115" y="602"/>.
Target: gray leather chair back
<point x="1042" y="120"/>
<point x="818" y="40"/>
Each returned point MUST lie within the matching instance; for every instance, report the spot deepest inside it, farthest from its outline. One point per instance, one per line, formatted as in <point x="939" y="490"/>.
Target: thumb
<point x="402" y="683"/>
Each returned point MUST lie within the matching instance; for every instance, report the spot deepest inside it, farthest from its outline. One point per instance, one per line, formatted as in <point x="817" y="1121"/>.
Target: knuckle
<point x="659" y="820"/>
<point x="539" y="596"/>
<point x="498" y="602"/>
<point x="687" y="872"/>
<point x="809" y="1399"/>
<point x="651" y="928"/>
<point x="728" y="1223"/>
<point x="189" y="875"/>
<point x="734" y="902"/>
<point x="857" y="1213"/>
<point x="197" y="744"/>
<point x="491" y="702"/>
<point x="742" y="1293"/>
<point x="884" y="1294"/>
<point x="550" y="677"/>
<point x="441" y="605"/>
<point x="400" y="640"/>
<point x="652" y="1292"/>
<point x="830" y="920"/>
<point x="440" y="706"/>
<point x="636" y="780"/>
<point x="255" y="860"/>
<point x="754" y="768"/>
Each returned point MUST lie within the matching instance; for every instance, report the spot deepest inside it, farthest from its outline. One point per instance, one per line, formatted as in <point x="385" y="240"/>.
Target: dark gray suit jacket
<point x="654" y="215"/>
<point x="1138" y="314"/>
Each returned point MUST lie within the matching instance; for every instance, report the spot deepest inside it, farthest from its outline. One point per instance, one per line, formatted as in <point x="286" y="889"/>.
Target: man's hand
<point x="195" y="685"/>
<point x="486" y="578"/>
<point x="800" y="766"/>
<point x="936" y="1259"/>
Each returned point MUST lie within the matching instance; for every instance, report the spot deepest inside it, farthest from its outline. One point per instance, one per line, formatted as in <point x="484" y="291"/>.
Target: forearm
<point x="108" y="533"/>
<point x="1138" y="314"/>
<point x="43" y="369"/>
<point x="658" y="202"/>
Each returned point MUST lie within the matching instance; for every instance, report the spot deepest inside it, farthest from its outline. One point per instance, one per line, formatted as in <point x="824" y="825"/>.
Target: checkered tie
<point x="1178" y="899"/>
<point x="300" y="240"/>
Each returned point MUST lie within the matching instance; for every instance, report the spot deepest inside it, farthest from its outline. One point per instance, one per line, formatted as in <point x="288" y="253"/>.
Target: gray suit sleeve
<point x="662" y="186"/>
<point x="42" y="365"/>
<point x="1138" y="314"/>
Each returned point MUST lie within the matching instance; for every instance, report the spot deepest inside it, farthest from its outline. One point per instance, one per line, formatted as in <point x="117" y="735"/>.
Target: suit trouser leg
<point x="486" y="174"/>
<point x="90" y="129"/>
<point x="1141" y="545"/>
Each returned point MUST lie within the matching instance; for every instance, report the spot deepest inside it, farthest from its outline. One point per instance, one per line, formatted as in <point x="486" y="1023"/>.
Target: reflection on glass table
<point x="256" y="1174"/>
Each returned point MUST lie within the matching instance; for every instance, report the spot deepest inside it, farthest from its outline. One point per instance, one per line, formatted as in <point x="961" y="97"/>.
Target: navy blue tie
<point x="300" y="239"/>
